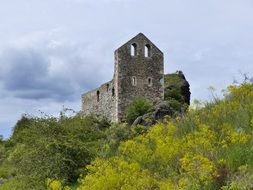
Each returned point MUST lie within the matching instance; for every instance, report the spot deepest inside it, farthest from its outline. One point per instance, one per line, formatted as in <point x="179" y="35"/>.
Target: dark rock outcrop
<point x="177" y="87"/>
<point x="185" y="88"/>
<point x="156" y="114"/>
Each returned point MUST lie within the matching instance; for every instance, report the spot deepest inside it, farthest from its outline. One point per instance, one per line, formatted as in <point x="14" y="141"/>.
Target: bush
<point x="50" y="147"/>
<point x="137" y="108"/>
<point x="207" y="148"/>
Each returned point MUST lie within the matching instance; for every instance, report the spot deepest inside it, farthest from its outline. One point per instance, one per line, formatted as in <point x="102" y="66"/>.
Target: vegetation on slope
<point x="177" y="90"/>
<point x="42" y="148"/>
<point x="210" y="147"/>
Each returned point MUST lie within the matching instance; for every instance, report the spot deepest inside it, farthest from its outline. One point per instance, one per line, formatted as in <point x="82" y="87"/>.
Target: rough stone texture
<point x="106" y="104"/>
<point x="185" y="89"/>
<point x="147" y="71"/>
<point x="156" y="114"/>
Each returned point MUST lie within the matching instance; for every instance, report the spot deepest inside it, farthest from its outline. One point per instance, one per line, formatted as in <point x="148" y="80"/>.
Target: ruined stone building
<point x="138" y="72"/>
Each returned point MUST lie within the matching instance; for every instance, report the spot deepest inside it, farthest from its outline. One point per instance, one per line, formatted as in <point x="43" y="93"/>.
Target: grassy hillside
<point x="210" y="147"/>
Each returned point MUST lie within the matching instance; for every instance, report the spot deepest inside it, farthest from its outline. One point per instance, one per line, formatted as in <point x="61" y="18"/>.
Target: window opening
<point x="134" y="81"/>
<point x="147" y="50"/>
<point x="113" y="92"/>
<point x="98" y="96"/>
<point x="149" y="81"/>
<point x="162" y="81"/>
<point x="133" y="49"/>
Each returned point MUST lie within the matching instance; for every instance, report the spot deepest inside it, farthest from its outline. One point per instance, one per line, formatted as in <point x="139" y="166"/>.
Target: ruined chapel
<point x="138" y="72"/>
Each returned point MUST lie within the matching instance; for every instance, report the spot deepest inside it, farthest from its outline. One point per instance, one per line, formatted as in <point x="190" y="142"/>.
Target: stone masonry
<point x="138" y="72"/>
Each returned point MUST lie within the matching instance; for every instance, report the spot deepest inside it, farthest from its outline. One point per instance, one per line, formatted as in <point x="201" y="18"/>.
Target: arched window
<point x="113" y="92"/>
<point x="98" y="98"/>
<point x="107" y="87"/>
<point x="150" y="82"/>
<point x="147" y="50"/>
<point x="162" y="81"/>
<point x="134" y="49"/>
<point x="134" y="81"/>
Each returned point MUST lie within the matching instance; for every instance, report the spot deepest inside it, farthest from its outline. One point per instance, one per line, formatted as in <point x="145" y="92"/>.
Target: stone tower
<point x="138" y="72"/>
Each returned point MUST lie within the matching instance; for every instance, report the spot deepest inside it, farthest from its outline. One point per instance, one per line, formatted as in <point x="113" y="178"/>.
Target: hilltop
<point x="205" y="147"/>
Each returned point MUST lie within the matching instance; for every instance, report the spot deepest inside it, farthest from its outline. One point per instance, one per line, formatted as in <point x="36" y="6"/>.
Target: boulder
<point x="156" y="114"/>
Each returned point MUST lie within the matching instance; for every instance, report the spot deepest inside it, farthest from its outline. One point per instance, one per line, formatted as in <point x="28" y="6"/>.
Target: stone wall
<point x="100" y="101"/>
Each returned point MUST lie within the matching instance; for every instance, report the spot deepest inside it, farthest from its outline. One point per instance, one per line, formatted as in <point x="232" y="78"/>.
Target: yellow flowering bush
<point x="198" y="167"/>
<point x="116" y="173"/>
<point x="210" y="147"/>
<point x="56" y="185"/>
<point x="201" y="140"/>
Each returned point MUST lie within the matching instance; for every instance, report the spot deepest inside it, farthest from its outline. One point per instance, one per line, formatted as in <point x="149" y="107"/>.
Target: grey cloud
<point x="23" y="70"/>
<point x="33" y="74"/>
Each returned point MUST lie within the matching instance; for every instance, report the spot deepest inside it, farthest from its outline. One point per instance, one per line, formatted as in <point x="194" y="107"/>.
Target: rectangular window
<point x="134" y="81"/>
<point x="150" y="81"/>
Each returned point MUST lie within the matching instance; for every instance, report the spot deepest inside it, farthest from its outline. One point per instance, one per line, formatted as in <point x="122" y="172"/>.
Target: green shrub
<point x="137" y="108"/>
<point x="50" y="147"/>
<point x="23" y="183"/>
<point x="237" y="155"/>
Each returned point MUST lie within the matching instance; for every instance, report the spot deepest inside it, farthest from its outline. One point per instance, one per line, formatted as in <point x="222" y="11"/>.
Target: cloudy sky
<point x="51" y="51"/>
